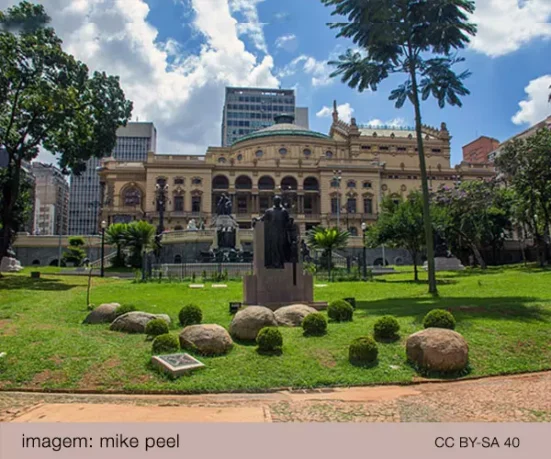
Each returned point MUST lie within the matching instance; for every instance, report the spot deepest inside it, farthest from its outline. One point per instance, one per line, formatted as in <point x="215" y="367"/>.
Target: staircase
<point x="106" y="261"/>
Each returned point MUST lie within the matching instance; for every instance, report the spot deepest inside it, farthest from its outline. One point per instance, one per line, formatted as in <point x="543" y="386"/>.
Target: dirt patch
<point x="7" y="327"/>
<point x="100" y="375"/>
<point x="48" y="377"/>
<point x="324" y="357"/>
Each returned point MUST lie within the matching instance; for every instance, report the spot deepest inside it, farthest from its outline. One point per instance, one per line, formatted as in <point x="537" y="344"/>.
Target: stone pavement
<point x="523" y="398"/>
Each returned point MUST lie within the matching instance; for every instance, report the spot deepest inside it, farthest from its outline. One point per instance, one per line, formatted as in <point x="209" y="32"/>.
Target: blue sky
<point x="176" y="56"/>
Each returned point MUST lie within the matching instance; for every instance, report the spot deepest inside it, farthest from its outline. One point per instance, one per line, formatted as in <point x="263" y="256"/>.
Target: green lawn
<point x="504" y="313"/>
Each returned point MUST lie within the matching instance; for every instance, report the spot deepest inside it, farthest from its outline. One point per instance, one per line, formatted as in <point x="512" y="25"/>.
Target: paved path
<point x="525" y="398"/>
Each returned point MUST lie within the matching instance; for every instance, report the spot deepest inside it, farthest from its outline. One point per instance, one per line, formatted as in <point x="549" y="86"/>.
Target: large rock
<point x="135" y="322"/>
<point x="292" y="316"/>
<point x="249" y="321"/>
<point x="438" y="349"/>
<point x="103" y="314"/>
<point x="206" y="339"/>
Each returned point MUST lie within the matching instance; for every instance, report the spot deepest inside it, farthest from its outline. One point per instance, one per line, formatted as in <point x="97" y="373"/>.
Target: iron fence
<point x="199" y="271"/>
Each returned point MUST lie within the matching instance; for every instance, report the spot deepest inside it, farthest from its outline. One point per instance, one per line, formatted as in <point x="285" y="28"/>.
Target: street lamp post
<point x="364" y="229"/>
<point x="337" y="176"/>
<point x="102" y="269"/>
<point x="161" y="193"/>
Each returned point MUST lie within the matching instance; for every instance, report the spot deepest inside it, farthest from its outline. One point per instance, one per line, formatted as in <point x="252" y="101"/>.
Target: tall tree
<point x="473" y="216"/>
<point x="400" y="225"/>
<point x="415" y="37"/>
<point x="328" y="240"/>
<point x="140" y="236"/>
<point x="48" y="100"/>
<point x="116" y="235"/>
<point x="526" y="166"/>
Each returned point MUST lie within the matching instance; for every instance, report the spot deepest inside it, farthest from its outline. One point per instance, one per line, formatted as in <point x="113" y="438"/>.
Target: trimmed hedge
<point x="439" y="318"/>
<point x="164" y="344"/>
<point x="190" y="314"/>
<point x="340" y="311"/>
<point x="156" y="327"/>
<point x="386" y="327"/>
<point x="269" y="339"/>
<point x="124" y="309"/>
<point x="314" y="324"/>
<point x="363" y="351"/>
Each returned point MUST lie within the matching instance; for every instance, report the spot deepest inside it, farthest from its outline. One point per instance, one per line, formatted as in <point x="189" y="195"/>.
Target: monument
<point x="278" y="278"/>
<point x="9" y="263"/>
<point x="443" y="258"/>
<point x="225" y="226"/>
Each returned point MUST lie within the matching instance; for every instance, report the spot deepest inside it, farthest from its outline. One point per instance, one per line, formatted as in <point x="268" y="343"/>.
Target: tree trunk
<point x="424" y="181"/>
<point x="10" y="194"/>
<point x="415" y="270"/>
<point x="478" y="256"/>
<point x="330" y="262"/>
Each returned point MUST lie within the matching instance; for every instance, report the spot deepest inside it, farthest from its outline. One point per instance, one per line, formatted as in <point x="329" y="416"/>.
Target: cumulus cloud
<point x="318" y="70"/>
<point x="396" y="122"/>
<point x="252" y="27"/>
<point x="345" y="112"/>
<point x="536" y="106"/>
<point x="287" y="42"/>
<point x="504" y="26"/>
<point x="183" y="96"/>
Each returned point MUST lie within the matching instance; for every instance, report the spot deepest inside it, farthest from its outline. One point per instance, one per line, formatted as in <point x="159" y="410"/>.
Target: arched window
<point x="289" y="183"/>
<point x="239" y="157"/>
<point x="177" y="259"/>
<point x="259" y="153"/>
<point x="367" y="185"/>
<point x="266" y="183"/>
<point x="222" y="160"/>
<point x="351" y="184"/>
<point x="353" y="231"/>
<point x="220" y="182"/>
<point x="243" y="183"/>
<point x="36" y="262"/>
<point x="132" y="196"/>
<point x="179" y="181"/>
<point x="283" y="151"/>
<point x="307" y="152"/>
<point x="196" y="181"/>
<point x="329" y="154"/>
<point x="311" y="184"/>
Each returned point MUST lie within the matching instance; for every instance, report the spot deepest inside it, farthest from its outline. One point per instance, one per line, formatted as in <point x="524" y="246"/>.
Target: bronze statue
<point x="280" y="237"/>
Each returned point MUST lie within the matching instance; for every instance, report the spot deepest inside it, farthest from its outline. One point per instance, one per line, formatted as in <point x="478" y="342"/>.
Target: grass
<point x="504" y="314"/>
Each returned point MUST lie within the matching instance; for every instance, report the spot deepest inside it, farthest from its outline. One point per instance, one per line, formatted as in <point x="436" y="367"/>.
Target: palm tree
<point x="140" y="236"/>
<point x="116" y="235"/>
<point x="328" y="240"/>
<point x="416" y="38"/>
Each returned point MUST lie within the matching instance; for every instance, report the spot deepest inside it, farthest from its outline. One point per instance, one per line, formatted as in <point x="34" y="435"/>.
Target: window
<point x="367" y="185"/>
<point x="353" y="231"/>
<point x="196" y="181"/>
<point x="401" y="149"/>
<point x="239" y="157"/>
<point x="259" y="153"/>
<point x="351" y="184"/>
<point x="334" y="205"/>
<point x="351" y="205"/>
<point x="242" y="204"/>
<point x="436" y="150"/>
<point x="307" y="152"/>
<point x="366" y="147"/>
<point x="264" y="203"/>
<point x="383" y="148"/>
<point x="178" y="181"/>
<point x="132" y="197"/>
<point x="329" y="154"/>
<point x="335" y="183"/>
<point x="177" y="258"/>
<point x="222" y="160"/>
<point x="282" y="151"/>
<point x="178" y="203"/>
<point x="196" y="203"/>
<point x="368" y="205"/>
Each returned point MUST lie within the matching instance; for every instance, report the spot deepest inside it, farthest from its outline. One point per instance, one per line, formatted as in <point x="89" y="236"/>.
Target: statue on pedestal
<point x="192" y="226"/>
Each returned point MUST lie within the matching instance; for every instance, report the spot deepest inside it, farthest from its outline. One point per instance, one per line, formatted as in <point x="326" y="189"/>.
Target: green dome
<point x="284" y="127"/>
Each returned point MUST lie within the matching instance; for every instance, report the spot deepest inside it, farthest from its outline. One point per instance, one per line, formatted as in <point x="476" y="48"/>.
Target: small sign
<point x="234" y="307"/>
<point x="176" y="364"/>
<point x="219" y="286"/>
<point x="321" y="285"/>
<point x="352" y="301"/>
<point x="196" y="286"/>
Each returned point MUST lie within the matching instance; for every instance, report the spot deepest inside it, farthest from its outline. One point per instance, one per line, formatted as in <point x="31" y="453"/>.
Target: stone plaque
<point x="176" y="364"/>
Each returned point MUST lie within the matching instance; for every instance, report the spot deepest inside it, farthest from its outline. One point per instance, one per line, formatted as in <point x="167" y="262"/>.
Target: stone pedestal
<point x="226" y="224"/>
<point x="446" y="264"/>
<point x="10" y="265"/>
<point x="275" y="288"/>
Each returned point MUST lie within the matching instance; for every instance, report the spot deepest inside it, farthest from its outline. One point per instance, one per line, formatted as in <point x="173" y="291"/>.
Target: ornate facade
<point x="324" y="179"/>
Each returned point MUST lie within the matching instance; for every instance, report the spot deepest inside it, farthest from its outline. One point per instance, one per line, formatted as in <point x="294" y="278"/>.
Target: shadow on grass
<point x="26" y="283"/>
<point x="418" y="282"/>
<point x="464" y="308"/>
<point x="365" y="365"/>
<point x="450" y="375"/>
<point x="384" y="340"/>
<point x="272" y="353"/>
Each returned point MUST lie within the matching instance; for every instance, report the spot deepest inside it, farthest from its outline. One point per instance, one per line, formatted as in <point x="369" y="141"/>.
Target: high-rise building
<point x="247" y="110"/>
<point x="51" y="210"/>
<point x="134" y="141"/>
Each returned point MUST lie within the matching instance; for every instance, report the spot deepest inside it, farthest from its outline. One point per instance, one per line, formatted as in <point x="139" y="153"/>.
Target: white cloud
<point x="396" y="122"/>
<point x="287" y="42"/>
<point x="345" y="112"/>
<point x="318" y="70"/>
<point x="536" y="105"/>
<point x="252" y="27"/>
<point x="183" y="96"/>
<point x="504" y="26"/>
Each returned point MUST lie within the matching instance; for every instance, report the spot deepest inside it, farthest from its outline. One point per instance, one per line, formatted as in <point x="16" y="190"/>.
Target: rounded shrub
<point x="156" y="327"/>
<point x="166" y="343"/>
<point x="124" y="309"/>
<point x="386" y="327"/>
<point x="190" y="314"/>
<point x="314" y="324"/>
<point x="439" y="318"/>
<point x="269" y="339"/>
<point x="363" y="351"/>
<point x="340" y="311"/>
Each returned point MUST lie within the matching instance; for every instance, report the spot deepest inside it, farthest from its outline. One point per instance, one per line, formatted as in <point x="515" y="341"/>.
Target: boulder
<point x="207" y="339"/>
<point x="438" y="349"/>
<point x="292" y="316"/>
<point x="103" y="314"/>
<point x="135" y="322"/>
<point x="249" y="321"/>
